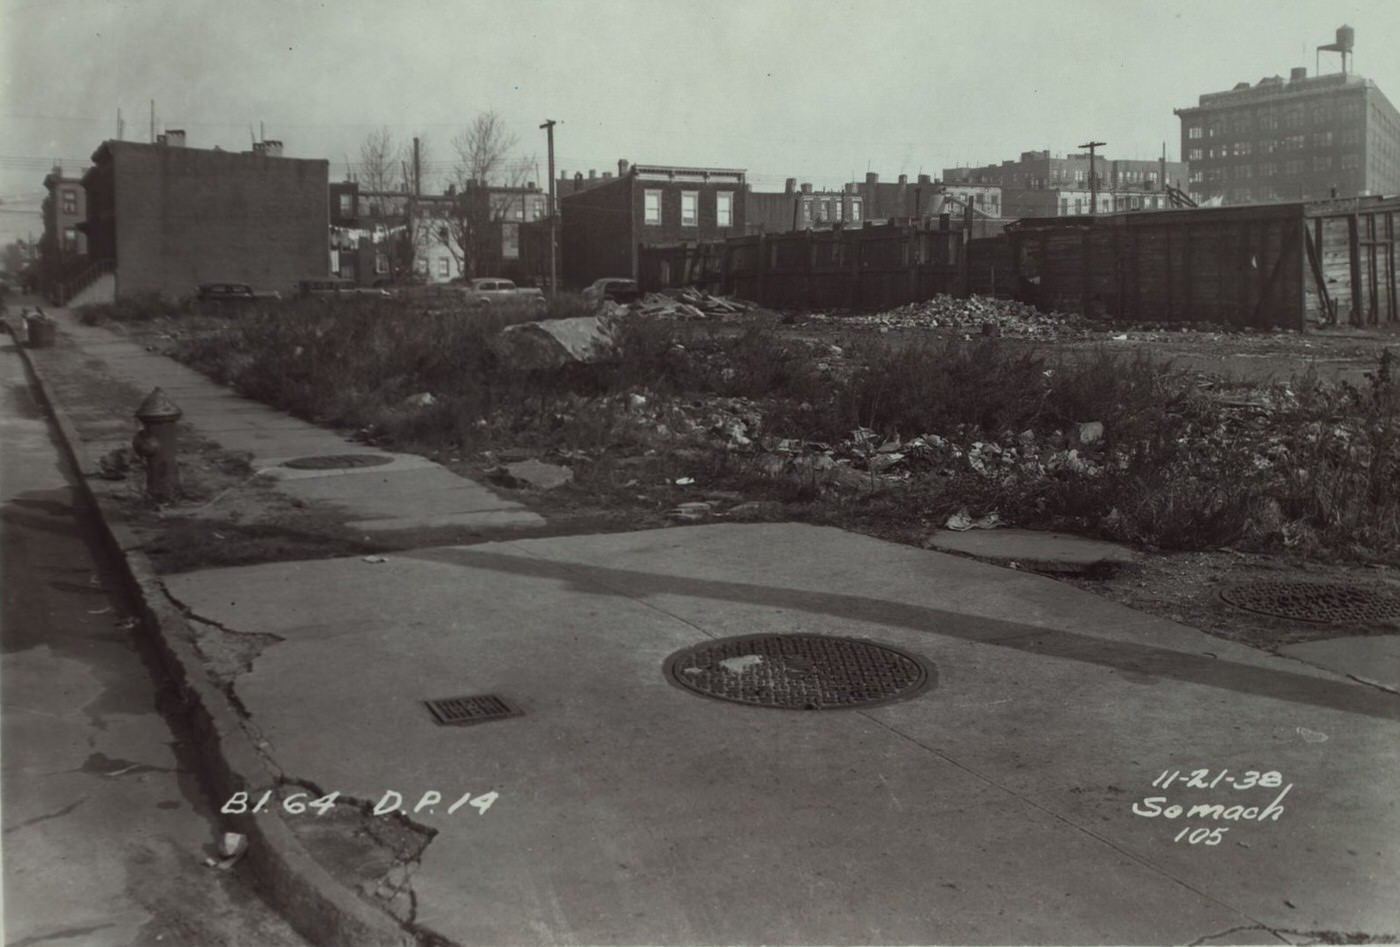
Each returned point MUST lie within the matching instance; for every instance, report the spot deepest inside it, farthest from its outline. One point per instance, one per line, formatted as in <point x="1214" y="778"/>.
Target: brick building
<point x="1039" y="185"/>
<point x="602" y="225"/>
<point x="1334" y="135"/>
<point x="799" y="207"/>
<point x="166" y="217"/>
<point x="64" y="210"/>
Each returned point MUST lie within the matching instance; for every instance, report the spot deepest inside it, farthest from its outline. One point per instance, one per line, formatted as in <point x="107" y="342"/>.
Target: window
<point x="1195" y="155"/>
<point x="381" y="263"/>
<point x="652" y="203"/>
<point x="347" y="205"/>
<point x="1322" y="163"/>
<point x="1196" y="177"/>
<point x="443" y="268"/>
<point x="510" y="241"/>
<point x="1351" y="162"/>
<point x="689" y="201"/>
<point x="1266" y="169"/>
<point x="724" y="209"/>
<point x="807" y="211"/>
<point x="1244" y="148"/>
<point x="1079" y="205"/>
<point x="70" y="201"/>
<point x="855" y="210"/>
<point x="1322" y="140"/>
<point x="823" y="211"/>
<point x="836" y="209"/>
<point x="1193" y="132"/>
<point x="70" y="239"/>
<point x="1064" y="206"/>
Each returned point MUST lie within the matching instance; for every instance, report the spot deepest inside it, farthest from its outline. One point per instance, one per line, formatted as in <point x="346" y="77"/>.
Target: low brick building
<point x="602" y="226"/>
<point x="167" y="218"/>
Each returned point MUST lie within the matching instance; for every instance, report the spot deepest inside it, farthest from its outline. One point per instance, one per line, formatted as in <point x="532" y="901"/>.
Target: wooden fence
<point x="871" y="267"/>
<point x="1264" y="265"/>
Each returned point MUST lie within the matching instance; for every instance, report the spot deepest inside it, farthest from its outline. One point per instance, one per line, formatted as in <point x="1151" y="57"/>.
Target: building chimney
<point x="607" y="175"/>
<point x="175" y="137"/>
<point x="578" y="180"/>
<point x="272" y="147"/>
<point x="622" y="168"/>
<point x="1297" y="72"/>
<point x="871" y="178"/>
<point x="925" y="179"/>
<point x="806" y="188"/>
<point x="904" y="179"/>
<point x="789" y="185"/>
<point x="592" y="174"/>
<point x="259" y="147"/>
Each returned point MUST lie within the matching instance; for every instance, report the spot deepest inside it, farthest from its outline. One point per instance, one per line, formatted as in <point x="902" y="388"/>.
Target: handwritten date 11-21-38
<point x="1204" y="779"/>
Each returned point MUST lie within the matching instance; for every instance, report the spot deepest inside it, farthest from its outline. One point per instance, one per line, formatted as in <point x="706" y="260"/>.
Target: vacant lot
<point x="1161" y="438"/>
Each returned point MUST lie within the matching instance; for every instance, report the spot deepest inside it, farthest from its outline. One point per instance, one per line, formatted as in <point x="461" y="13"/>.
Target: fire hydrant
<point x="155" y="445"/>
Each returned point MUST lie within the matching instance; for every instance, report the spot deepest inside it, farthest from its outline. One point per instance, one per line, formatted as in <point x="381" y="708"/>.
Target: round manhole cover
<point x="337" y="461"/>
<point x="1315" y="601"/>
<point x="799" y="672"/>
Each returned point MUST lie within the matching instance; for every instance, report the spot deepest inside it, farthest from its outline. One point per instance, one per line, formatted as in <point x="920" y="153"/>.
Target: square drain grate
<point x="457" y="711"/>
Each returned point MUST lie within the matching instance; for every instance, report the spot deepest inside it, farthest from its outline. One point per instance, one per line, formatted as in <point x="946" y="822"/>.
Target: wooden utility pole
<point x="548" y="126"/>
<point x="1093" y="178"/>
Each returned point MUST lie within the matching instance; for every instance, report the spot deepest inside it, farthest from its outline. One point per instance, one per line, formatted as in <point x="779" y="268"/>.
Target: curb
<point x="316" y="905"/>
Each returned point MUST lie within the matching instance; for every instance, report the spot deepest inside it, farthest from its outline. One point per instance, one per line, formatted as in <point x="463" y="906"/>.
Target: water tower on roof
<point x="1346" y="38"/>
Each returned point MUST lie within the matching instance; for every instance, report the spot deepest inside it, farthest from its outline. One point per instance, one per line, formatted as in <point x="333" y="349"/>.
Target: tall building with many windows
<point x="1304" y="138"/>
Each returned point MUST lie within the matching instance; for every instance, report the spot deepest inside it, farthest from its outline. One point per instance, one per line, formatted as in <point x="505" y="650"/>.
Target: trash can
<point x="41" y="331"/>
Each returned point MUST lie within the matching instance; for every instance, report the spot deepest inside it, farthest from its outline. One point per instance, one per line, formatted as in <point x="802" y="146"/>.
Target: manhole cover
<point x="338" y="461"/>
<point x="478" y="709"/>
<point x="799" y="672"/>
<point x="1314" y="601"/>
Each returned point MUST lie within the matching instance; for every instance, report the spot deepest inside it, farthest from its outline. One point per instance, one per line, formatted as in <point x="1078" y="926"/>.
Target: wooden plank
<point x="1354" y="268"/>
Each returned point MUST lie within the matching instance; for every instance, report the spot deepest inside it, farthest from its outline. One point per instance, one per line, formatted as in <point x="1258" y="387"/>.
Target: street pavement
<point x="1018" y="799"/>
<point x="105" y="830"/>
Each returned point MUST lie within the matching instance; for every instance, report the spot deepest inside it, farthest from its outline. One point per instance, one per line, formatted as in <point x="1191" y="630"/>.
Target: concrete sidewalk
<point x="1011" y="802"/>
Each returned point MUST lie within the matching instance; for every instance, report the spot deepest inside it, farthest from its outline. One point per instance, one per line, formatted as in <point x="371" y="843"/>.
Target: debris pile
<point x="684" y="303"/>
<point x="981" y="314"/>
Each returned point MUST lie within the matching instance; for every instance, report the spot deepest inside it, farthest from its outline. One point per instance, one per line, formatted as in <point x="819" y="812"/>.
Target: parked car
<point x="617" y="289"/>
<point x="233" y="292"/>
<point x="492" y="290"/>
<point x="335" y="287"/>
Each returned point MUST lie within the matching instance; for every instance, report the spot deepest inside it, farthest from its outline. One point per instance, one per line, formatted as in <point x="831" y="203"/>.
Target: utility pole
<point x="1093" y="178"/>
<point x="548" y="126"/>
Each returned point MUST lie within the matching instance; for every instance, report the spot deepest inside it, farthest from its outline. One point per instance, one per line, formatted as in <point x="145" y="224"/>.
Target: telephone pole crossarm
<point x="1093" y="177"/>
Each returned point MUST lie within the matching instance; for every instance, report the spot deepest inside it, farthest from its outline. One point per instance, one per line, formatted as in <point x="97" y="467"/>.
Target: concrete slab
<point x="997" y="807"/>
<point x="1032" y="548"/>
<point x="1374" y="659"/>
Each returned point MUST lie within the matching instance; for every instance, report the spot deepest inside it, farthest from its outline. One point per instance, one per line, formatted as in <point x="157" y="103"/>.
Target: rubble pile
<point x="684" y="303"/>
<point x="978" y="314"/>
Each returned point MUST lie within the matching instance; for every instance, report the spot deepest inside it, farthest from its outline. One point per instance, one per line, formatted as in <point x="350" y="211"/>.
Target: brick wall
<point x="184" y="216"/>
<point x="596" y="235"/>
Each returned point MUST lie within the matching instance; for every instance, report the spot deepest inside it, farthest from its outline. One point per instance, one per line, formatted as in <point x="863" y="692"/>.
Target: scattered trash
<point x="115" y="464"/>
<point x="740" y="664"/>
<point x="684" y="481"/>
<point x="1312" y="736"/>
<point x="1090" y="432"/>
<point x="421" y="400"/>
<point x="375" y="559"/>
<point x="691" y="512"/>
<point x="101" y="611"/>
<point x="232" y="847"/>
<point x="962" y="522"/>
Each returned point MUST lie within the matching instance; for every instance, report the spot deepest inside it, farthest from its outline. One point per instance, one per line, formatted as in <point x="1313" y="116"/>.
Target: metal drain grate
<point x="1314" y="601"/>
<point x="337" y="461"/>
<point x="479" y="709"/>
<point x="799" y="672"/>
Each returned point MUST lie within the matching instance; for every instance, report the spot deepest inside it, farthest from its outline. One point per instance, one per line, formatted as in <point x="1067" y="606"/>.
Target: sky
<point x="818" y="90"/>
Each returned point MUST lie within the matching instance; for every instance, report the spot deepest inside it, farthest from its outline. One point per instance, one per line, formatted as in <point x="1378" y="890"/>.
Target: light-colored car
<point x="490" y="290"/>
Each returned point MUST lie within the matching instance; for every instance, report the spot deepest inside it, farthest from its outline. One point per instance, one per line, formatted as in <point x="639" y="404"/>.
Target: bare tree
<point x="380" y="170"/>
<point x="472" y="225"/>
<point x="391" y="174"/>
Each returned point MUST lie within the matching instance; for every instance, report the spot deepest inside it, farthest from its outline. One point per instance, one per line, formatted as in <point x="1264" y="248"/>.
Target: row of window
<point x="1293" y="116"/>
<point x="1239" y="149"/>
<point x="830" y="210"/>
<point x="690" y="205"/>
<point x="1347" y="162"/>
